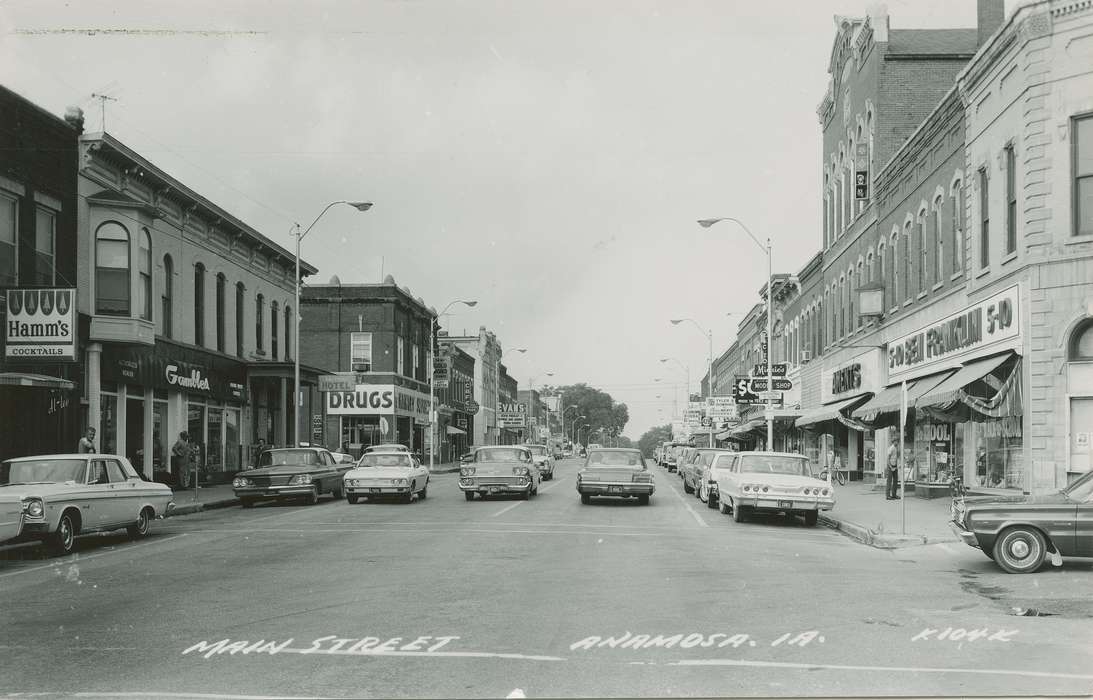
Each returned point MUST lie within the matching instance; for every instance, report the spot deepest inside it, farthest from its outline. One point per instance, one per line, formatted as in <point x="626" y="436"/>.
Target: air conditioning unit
<point x="806" y="356"/>
<point x="360" y="367"/>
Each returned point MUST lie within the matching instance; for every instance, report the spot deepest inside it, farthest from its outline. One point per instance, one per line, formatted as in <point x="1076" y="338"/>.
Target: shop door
<point x="195" y="426"/>
<point x="1081" y="434"/>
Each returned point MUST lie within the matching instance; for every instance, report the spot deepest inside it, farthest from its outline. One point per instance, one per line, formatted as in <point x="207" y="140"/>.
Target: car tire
<point x="337" y="493"/>
<point x="723" y="507"/>
<point x="586" y="499"/>
<point x="140" y="527"/>
<point x="352" y="497"/>
<point x="711" y="500"/>
<point x="525" y="495"/>
<point x="812" y="517"/>
<point x="409" y="497"/>
<point x="62" y="541"/>
<point x="246" y="502"/>
<point x="469" y="495"/>
<point x="313" y="497"/>
<point x="687" y="488"/>
<point x="738" y="514"/>
<point x="424" y="493"/>
<point x="1020" y="550"/>
<point x="643" y="499"/>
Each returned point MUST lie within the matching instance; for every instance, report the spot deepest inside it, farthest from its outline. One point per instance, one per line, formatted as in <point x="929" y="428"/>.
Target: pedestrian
<point x="87" y="442"/>
<point x="180" y="460"/>
<point x="891" y="473"/>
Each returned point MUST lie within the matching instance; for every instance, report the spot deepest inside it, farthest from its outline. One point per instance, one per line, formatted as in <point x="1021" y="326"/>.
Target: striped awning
<point x="949" y="390"/>
<point x="888" y="400"/>
<point x="742" y="430"/>
<point x="830" y="412"/>
<point x="39" y="381"/>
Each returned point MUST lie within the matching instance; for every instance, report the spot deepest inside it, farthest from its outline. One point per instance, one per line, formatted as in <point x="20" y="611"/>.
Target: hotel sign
<point x="40" y="325"/>
<point x="983" y="325"/>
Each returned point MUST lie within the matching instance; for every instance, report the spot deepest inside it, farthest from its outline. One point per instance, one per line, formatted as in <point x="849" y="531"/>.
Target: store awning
<point x="948" y="391"/>
<point x="39" y="381"/>
<point x="830" y="412"/>
<point x="743" y="429"/>
<point x="888" y="400"/>
<point x="455" y="431"/>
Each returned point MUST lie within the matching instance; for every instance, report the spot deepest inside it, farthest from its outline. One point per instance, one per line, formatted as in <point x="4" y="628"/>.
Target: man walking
<point x="87" y="442"/>
<point x="891" y="473"/>
<point x="180" y="460"/>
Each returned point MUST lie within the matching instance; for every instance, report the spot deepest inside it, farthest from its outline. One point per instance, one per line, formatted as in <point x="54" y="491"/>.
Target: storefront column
<point x="94" y="389"/>
<point x="178" y="421"/>
<point x="149" y="429"/>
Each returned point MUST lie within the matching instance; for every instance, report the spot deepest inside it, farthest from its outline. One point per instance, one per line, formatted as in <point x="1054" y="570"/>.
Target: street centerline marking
<point x="507" y="508"/>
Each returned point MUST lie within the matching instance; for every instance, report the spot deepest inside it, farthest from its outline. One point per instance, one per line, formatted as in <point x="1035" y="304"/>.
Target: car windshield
<point x="52" y="471"/>
<point x="775" y="464"/>
<point x="615" y="459"/>
<point x="537" y="449"/>
<point x="385" y="459"/>
<point x="1081" y="489"/>
<point x="502" y="454"/>
<point x="277" y="458"/>
<point x="388" y="448"/>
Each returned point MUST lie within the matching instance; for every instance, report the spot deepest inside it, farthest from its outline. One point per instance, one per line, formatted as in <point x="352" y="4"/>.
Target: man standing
<point x="87" y="442"/>
<point x="180" y="460"/>
<point x="891" y="473"/>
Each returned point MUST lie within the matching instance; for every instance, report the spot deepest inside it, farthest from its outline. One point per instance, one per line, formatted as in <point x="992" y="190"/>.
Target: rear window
<point x="502" y="454"/>
<point x="775" y="464"/>
<point x="615" y="459"/>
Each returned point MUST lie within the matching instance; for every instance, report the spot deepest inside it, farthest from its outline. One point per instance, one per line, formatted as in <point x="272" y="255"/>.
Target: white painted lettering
<point x="692" y="640"/>
<point x="338" y="644"/>
<point x="442" y="641"/>
<point x="586" y="643"/>
<point x="390" y="645"/>
<point x="364" y="644"/>
<point x="710" y="641"/>
<point x="636" y="641"/>
<point x="924" y="634"/>
<point x="781" y="639"/>
<point x="978" y="634"/>
<point x="235" y="647"/>
<point x="614" y="641"/>
<point x="317" y="644"/>
<point x="958" y="634"/>
<point x="944" y="633"/>
<point x="662" y="642"/>
<point x="804" y="638"/>
<point x="415" y="645"/>
<point x="208" y="648"/>
<point x="254" y="647"/>
<point x="1002" y="636"/>
<point x="735" y="641"/>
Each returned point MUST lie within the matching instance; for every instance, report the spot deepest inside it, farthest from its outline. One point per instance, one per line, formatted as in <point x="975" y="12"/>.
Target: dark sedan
<point x="1020" y="532"/>
<point x="294" y="472"/>
<point x="616" y="472"/>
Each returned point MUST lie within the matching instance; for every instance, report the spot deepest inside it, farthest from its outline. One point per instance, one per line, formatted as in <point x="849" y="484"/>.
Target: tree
<point x="653" y="437"/>
<point x="597" y="407"/>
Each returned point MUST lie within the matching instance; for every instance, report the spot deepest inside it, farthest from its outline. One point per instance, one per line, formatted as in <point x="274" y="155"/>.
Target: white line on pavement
<point x="446" y="654"/>
<point x="884" y="669"/>
<point x="77" y="558"/>
<point x="507" y="508"/>
<point x="417" y="531"/>
<point x="163" y="694"/>
<point x="557" y="483"/>
<point x="687" y="505"/>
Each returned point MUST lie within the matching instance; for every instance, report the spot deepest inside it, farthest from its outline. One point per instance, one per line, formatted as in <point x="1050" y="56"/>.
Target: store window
<point x="360" y="352"/>
<point x="1082" y="131"/>
<point x="45" y="246"/>
<point x="112" y="270"/>
<point x="9" y="241"/>
<point x="999" y="460"/>
<point x="168" y="294"/>
<point x="108" y="419"/>
<point x="221" y="311"/>
<point x="199" y="304"/>
<point x="938" y="452"/>
<point x="1080" y="354"/>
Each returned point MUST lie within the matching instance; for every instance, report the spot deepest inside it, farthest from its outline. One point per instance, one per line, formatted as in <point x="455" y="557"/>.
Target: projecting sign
<point x="760" y="384"/>
<point x="512" y="415"/>
<point x="41" y="325"/>
<point x="741" y="390"/>
<point x="721" y="408"/>
<point x="441" y="372"/>
<point x="778" y="369"/>
<point x="337" y="382"/>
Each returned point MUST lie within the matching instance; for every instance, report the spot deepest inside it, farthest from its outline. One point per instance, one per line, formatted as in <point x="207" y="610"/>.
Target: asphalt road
<point x="543" y="598"/>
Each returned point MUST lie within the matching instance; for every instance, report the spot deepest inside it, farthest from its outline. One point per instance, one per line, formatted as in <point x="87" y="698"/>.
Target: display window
<point x="938" y="451"/>
<point x="999" y="453"/>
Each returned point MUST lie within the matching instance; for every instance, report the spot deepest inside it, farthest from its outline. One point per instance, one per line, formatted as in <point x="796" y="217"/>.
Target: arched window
<point x="939" y="240"/>
<point x="893" y="254"/>
<point x="288" y="333"/>
<point x="842" y="307"/>
<point x="240" y="312"/>
<point x="273" y="322"/>
<point x="168" y="295"/>
<point x="144" y="266"/>
<point x="112" y="270"/>
<point x="855" y="321"/>
<point x="199" y="304"/>
<point x="1081" y="342"/>
<point x="259" y="312"/>
<point x="909" y="260"/>
<point x="882" y="276"/>
<point x="923" y="248"/>
<point x="956" y="195"/>
<point x="221" y="312"/>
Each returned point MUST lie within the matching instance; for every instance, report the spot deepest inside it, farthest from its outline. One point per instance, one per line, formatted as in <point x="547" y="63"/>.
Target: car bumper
<point x="966" y="536"/>
<point x="607" y="489"/>
<point x="272" y="491"/>
<point x="783" y="504"/>
<point x="377" y="490"/>
<point x="487" y="488"/>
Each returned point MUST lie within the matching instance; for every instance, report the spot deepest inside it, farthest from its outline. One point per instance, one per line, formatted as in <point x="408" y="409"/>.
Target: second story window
<point x="221" y="311"/>
<point x="259" y="322"/>
<point x="168" y="295"/>
<point x="112" y="270"/>
<point x="273" y="344"/>
<point x="1083" y="175"/>
<point x="9" y="240"/>
<point x="400" y="352"/>
<point x="958" y="227"/>
<point x="360" y="352"/>
<point x="1011" y="201"/>
<point x="417" y="362"/>
<point x="288" y="332"/>
<point x="240" y="311"/>
<point x="199" y="304"/>
<point x="984" y="221"/>
<point x="45" y="242"/>
<point x="144" y="268"/>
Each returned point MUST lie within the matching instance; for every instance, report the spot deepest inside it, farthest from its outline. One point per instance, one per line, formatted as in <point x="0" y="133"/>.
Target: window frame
<point x="354" y="337"/>
<point x="199" y="304"/>
<point x="1076" y="177"/>
<point x="221" y="311"/>
<point x="984" y="218"/>
<point x="168" y="298"/>
<point x="52" y="213"/>
<point x="128" y="310"/>
<point x="259" y="323"/>
<point x="400" y="359"/>
<point x="6" y="196"/>
<point x="939" y="239"/>
<point x="274" y="346"/>
<point x="956" y="194"/>
<point x="1010" y="159"/>
<point x="240" y="319"/>
<point x="145" y="281"/>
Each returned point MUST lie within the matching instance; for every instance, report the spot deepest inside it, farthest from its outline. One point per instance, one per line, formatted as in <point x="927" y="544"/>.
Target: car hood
<point x="379" y="473"/>
<point x="1008" y="501"/>
<point x="17" y="492"/>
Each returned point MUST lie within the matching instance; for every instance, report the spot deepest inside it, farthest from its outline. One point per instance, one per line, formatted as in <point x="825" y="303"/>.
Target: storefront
<point x="961" y="380"/>
<point x="150" y="394"/>
<point x="373" y="414"/>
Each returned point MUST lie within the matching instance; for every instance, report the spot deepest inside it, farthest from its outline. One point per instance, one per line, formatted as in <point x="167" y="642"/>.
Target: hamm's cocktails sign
<point x="40" y="325"/>
<point x="956" y="338"/>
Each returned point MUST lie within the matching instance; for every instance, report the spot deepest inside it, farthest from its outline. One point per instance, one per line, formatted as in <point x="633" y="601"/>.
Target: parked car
<point x="683" y="459"/>
<point x="719" y="462"/>
<point x="1018" y="532"/>
<point x="343" y="458"/>
<point x="773" y="482"/>
<point x="386" y="447"/>
<point x="392" y="473"/>
<point x="543" y="460"/>
<point x="291" y="472"/>
<point x="498" y="469"/>
<point x="618" y="472"/>
<point x="672" y="456"/>
<point x="694" y="471"/>
<point x="55" y="498"/>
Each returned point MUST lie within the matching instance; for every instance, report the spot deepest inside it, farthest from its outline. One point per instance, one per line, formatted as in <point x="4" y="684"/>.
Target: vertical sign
<point x="861" y="171"/>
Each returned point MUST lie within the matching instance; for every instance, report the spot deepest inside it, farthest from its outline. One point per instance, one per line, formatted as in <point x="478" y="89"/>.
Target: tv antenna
<point x="102" y="102"/>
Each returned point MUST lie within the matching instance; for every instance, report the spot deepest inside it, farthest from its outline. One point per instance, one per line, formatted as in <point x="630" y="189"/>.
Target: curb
<point x="188" y="508"/>
<point x="877" y="539"/>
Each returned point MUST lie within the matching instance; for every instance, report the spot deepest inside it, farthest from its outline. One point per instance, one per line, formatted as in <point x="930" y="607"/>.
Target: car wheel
<point x="469" y="495"/>
<point x="711" y="500"/>
<point x="643" y="500"/>
<point x="723" y="507"/>
<point x="586" y="499"/>
<point x="63" y="539"/>
<point x="313" y="497"/>
<point x="424" y="493"/>
<point x="246" y="502"/>
<point x="1020" y="550"/>
<point x="738" y="514"/>
<point x="140" y="527"/>
<point x="409" y="497"/>
<point x="352" y="497"/>
<point x="687" y="487"/>
<point x="337" y="493"/>
<point x="812" y="517"/>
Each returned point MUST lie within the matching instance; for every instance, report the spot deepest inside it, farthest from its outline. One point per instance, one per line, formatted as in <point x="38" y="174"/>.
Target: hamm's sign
<point x="956" y="338"/>
<point x="40" y="325"/>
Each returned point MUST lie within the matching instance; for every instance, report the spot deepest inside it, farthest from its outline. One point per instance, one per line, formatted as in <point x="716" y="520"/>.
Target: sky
<point x="547" y="158"/>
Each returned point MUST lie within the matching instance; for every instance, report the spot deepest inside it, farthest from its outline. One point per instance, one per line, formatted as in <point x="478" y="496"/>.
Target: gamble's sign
<point x="41" y="325"/>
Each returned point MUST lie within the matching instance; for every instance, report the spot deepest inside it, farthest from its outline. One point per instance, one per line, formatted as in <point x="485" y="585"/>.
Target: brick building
<point x="455" y="423"/>
<point x="486" y="351"/>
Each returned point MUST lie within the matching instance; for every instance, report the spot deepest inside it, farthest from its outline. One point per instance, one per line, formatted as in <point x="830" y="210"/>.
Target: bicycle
<point x="838" y="477"/>
<point x="957" y="489"/>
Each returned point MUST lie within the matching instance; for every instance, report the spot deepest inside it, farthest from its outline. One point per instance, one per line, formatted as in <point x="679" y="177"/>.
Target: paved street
<point x="449" y="598"/>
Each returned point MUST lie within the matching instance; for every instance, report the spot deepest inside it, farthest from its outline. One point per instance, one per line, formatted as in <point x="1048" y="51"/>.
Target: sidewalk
<point x="865" y="515"/>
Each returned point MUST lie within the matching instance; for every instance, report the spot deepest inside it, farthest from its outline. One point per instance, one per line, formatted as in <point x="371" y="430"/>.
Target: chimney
<point x="989" y="15"/>
<point x="74" y="117"/>
<point x="878" y="19"/>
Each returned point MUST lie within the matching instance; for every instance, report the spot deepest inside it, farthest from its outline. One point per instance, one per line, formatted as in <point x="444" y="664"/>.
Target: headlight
<point x="520" y="471"/>
<point x="766" y="488"/>
<point x="301" y="479"/>
<point x="747" y="487"/>
<point x="824" y="492"/>
<point x="33" y="508"/>
<point x="466" y="471"/>
<point x="466" y="482"/>
<point x="242" y="481"/>
<point x="350" y="482"/>
<point x="400" y="482"/>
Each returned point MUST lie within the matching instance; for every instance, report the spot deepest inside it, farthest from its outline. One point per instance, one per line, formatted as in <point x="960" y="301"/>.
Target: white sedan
<point x="380" y="474"/>
<point x="772" y="482"/>
<point x="54" y="498"/>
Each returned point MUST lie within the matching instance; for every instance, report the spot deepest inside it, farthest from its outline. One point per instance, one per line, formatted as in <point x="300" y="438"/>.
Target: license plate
<point x="495" y="489"/>
<point x="785" y="504"/>
<point x="375" y="490"/>
<point x="614" y="489"/>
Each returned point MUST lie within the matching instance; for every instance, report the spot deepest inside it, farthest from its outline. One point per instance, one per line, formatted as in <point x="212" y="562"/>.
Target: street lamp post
<point x="709" y="364"/>
<point x="359" y="206"/>
<point x="432" y="368"/>
<point x="565" y="411"/>
<point x="576" y="429"/>
<point x="706" y="223"/>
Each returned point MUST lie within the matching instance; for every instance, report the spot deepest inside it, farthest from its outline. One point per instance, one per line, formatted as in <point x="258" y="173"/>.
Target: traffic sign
<point x="772" y="395"/>
<point x="760" y="384"/>
<point x="778" y="369"/>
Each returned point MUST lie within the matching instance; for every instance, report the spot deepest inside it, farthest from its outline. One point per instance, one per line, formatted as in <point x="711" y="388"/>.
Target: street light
<point x="687" y="369"/>
<point x="577" y="430"/>
<point x="519" y="350"/>
<point x="359" y="206"/>
<point x="709" y="365"/>
<point x="531" y="397"/>
<point x="565" y="411"/>
<point x="706" y="223"/>
<point x="432" y="370"/>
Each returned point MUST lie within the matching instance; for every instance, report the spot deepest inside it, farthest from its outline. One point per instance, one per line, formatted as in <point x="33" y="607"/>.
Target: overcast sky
<point x="548" y="159"/>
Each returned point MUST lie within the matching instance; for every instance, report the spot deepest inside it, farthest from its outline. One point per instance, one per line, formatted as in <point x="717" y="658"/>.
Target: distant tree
<point x="599" y="409"/>
<point x="653" y="437"/>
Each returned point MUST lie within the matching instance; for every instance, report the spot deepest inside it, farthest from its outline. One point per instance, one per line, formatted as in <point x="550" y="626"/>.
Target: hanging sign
<point x="40" y="325"/>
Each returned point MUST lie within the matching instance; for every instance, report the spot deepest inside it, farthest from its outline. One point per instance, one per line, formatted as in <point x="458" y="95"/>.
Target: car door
<point x="97" y="499"/>
<point x="125" y="503"/>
